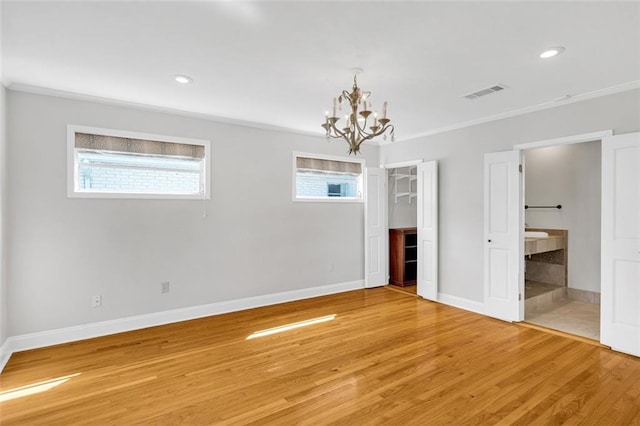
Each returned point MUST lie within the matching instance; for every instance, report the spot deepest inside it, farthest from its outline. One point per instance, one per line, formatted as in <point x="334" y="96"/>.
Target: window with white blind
<point x="117" y="164"/>
<point x="327" y="178"/>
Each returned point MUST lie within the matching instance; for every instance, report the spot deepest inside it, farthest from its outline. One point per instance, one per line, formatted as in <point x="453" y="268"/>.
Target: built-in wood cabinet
<point x="403" y="256"/>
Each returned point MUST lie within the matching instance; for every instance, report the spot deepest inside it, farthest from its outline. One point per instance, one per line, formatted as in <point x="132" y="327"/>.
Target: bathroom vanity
<point x="546" y="256"/>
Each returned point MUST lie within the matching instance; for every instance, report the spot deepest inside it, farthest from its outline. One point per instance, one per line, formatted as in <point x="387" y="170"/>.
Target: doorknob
<point x="489" y="241"/>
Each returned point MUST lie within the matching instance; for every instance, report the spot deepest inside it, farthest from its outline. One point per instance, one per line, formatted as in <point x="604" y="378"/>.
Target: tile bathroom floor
<point x="570" y="316"/>
<point x="537" y="288"/>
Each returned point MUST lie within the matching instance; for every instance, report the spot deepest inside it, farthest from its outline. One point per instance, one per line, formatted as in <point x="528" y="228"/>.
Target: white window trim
<point x="72" y="129"/>
<point x="294" y="169"/>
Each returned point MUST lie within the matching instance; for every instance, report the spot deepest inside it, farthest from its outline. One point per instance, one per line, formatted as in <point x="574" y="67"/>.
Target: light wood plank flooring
<point x="386" y="358"/>
<point x="412" y="289"/>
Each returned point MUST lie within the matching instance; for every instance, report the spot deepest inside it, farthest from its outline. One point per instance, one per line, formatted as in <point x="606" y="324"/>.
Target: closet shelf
<point x="408" y="189"/>
<point x="406" y="194"/>
<point x="399" y="176"/>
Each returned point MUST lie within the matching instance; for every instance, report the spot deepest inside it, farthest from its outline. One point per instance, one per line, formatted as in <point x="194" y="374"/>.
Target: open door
<point x="502" y="235"/>
<point x="376" y="234"/>
<point x="427" y="199"/>
<point x="620" y="268"/>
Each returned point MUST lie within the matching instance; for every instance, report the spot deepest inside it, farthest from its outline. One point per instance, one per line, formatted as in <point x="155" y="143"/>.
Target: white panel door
<point x="502" y="235"/>
<point x="427" y="199"/>
<point x="376" y="234"/>
<point x="620" y="257"/>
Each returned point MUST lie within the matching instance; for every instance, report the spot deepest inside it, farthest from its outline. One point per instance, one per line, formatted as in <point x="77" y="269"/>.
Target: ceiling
<point x="281" y="63"/>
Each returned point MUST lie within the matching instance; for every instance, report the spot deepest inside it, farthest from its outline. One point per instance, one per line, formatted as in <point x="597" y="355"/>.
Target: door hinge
<point x="519" y="296"/>
<point x="520" y="168"/>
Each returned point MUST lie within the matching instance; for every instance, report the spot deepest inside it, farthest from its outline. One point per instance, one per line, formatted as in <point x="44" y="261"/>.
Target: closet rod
<point x="559" y="206"/>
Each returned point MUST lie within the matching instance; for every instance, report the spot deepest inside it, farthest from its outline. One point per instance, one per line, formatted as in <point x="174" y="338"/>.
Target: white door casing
<point x="376" y="234"/>
<point x="620" y="256"/>
<point x="503" y="234"/>
<point x="427" y="200"/>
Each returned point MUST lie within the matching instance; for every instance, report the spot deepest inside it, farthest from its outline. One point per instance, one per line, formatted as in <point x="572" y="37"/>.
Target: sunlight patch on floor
<point x="291" y="326"/>
<point x="34" y="388"/>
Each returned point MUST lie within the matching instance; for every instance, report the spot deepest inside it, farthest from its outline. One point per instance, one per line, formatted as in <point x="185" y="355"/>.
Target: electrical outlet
<point x="164" y="287"/>
<point x="96" y="301"/>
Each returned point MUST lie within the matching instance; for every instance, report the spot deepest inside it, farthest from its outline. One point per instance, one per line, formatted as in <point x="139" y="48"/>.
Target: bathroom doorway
<point x="562" y="197"/>
<point x="504" y="254"/>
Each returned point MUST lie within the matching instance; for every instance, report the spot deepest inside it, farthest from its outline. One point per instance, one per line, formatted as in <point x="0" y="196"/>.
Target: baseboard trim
<point x="462" y="303"/>
<point x="87" y="331"/>
<point x="5" y="354"/>
<point x="585" y="296"/>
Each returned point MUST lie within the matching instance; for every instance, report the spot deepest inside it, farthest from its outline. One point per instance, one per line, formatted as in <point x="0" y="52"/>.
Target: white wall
<point x="254" y="241"/>
<point x="460" y="156"/>
<point x="569" y="175"/>
<point x="3" y="208"/>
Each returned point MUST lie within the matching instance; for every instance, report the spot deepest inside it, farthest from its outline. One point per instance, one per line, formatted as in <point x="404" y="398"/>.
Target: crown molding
<point x="522" y="111"/>
<point x="36" y="90"/>
<point x="263" y="126"/>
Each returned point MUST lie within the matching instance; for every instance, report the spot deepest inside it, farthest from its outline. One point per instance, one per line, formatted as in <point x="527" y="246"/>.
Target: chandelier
<point x="354" y="129"/>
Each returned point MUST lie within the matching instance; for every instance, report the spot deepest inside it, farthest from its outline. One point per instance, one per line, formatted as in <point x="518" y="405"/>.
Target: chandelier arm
<point x="335" y="136"/>
<point x="382" y="131"/>
<point x="339" y="133"/>
<point x="361" y="130"/>
<point x="368" y="135"/>
<point x="343" y="137"/>
<point x="387" y="127"/>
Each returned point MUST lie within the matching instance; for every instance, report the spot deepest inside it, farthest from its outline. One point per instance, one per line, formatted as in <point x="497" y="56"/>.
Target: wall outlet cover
<point x="96" y="301"/>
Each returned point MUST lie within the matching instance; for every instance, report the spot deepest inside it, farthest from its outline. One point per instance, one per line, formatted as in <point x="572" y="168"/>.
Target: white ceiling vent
<point x="484" y="92"/>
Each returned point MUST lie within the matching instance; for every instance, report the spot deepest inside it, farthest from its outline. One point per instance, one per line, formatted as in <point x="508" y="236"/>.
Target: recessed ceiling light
<point x="551" y="52"/>
<point x="182" y="79"/>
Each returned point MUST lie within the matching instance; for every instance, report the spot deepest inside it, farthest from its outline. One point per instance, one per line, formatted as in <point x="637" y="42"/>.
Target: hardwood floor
<point x="386" y="358"/>
<point x="412" y="289"/>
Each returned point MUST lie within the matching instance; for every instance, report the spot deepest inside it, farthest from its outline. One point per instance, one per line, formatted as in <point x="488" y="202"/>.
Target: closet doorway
<point x="402" y="184"/>
<point x="419" y="188"/>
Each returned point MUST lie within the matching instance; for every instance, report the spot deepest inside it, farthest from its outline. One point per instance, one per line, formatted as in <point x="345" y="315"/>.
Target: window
<point x="336" y="189"/>
<point x="321" y="178"/>
<point x="116" y="164"/>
